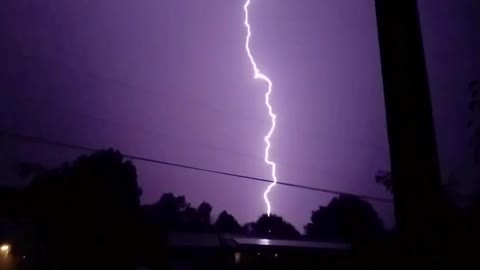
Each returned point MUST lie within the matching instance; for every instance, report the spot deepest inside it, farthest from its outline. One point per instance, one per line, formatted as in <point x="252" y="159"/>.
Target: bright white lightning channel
<point x="260" y="76"/>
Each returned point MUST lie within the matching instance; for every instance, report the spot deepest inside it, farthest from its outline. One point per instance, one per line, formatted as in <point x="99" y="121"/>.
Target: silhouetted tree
<point x="170" y="214"/>
<point x="29" y="169"/>
<point x="226" y="223"/>
<point x="204" y="212"/>
<point x="165" y="213"/>
<point x="346" y="218"/>
<point x="12" y="202"/>
<point x="157" y="220"/>
<point x="86" y="213"/>
<point x="274" y="226"/>
<point x="248" y="228"/>
<point x="173" y="213"/>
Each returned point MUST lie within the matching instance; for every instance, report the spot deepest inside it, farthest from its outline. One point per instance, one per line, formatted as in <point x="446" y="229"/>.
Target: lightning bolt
<point x="260" y="76"/>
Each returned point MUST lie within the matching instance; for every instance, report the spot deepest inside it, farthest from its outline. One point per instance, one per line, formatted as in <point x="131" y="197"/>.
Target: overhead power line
<point x="44" y="141"/>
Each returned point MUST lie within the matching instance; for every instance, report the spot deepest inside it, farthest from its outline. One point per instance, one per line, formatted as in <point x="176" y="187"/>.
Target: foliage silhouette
<point x="346" y="218"/>
<point x="88" y="212"/>
<point x="272" y="226"/>
<point x="226" y="223"/>
<point x="172" y="213"/>
<point x="89" y="207"/>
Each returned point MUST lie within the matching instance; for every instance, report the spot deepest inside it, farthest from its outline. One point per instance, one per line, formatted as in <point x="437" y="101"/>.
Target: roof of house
<point x="212" y="240"/>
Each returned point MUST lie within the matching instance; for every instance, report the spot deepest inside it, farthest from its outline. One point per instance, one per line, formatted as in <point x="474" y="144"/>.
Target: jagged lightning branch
<point x="263" y="77"/>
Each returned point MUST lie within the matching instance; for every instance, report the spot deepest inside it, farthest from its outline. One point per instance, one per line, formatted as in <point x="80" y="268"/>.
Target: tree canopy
<point x="346" y="218"/>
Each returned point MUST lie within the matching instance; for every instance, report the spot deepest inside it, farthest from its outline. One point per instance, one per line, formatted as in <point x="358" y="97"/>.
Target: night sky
<point x="170" y="80"/>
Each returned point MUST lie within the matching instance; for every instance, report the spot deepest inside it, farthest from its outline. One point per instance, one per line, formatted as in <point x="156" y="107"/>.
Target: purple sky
<point x="170" y="80"/>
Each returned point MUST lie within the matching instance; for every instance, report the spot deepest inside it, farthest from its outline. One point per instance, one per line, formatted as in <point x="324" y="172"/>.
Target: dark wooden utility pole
<point x="411" y="132"/>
